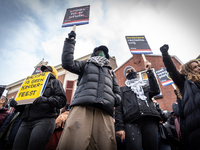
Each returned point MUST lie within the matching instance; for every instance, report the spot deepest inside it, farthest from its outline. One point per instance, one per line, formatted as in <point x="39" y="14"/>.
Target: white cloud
<point x="38" y="33"/>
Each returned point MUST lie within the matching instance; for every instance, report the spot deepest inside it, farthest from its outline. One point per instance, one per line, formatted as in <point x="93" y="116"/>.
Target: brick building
<point x="67" y="78"/>
<point x="167" y="96"/>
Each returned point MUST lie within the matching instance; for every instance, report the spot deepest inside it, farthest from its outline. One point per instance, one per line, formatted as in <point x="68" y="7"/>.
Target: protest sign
<point x="32" y="87"/>
<point x="76" y="16"/>
<point x="164" y="77"/>
<point x="138" y="45"/>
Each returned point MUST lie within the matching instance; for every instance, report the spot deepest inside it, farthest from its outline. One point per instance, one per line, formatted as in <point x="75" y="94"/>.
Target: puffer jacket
<point x="190" y="121"/>
<point x="56" y="99"/>
<point x="98" y="85"/>
<point x="132" y="108"/>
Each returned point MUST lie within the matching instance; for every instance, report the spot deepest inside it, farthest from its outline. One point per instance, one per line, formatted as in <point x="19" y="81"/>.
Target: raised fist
<point x="164" y="48"/>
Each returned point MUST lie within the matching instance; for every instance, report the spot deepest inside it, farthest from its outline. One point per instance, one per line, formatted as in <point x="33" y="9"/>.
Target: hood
<point x="54" y="72"/>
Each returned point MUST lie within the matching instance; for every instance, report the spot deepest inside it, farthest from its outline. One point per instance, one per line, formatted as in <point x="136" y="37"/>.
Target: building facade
<point x="166" y="97"/>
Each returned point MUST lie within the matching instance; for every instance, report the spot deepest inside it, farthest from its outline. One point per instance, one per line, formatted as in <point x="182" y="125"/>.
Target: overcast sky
<point x="30" y="30"/>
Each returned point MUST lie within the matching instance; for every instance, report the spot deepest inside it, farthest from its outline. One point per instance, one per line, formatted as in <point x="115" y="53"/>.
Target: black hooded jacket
<point x="98" y="85"/>
<point x="131" y="108"/>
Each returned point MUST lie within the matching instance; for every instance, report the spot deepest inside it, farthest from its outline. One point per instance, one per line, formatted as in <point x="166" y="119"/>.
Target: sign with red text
<point x="138" y="45"/>
<point x="76" y="16"/>
<point x="32" y="87"/>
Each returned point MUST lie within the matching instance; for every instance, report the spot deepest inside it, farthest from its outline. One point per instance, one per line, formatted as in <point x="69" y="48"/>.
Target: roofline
<point x="150" y="55"/>
<point x="56" y="67"/>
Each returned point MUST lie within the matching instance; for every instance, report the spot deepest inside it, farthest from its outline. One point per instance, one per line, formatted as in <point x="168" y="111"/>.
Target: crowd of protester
<point x="102" y="115"/>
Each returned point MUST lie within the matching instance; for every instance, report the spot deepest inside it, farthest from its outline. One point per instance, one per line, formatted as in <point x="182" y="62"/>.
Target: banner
<point x="76" y="16"/>
<point x="32" y="87"/>
<point x="138" y="45"/>
<point x="164" y="77"/>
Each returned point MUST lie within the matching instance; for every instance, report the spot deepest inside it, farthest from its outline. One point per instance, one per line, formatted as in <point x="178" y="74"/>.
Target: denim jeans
<point x="34" y="135"/>
<point x="142" y="134"/>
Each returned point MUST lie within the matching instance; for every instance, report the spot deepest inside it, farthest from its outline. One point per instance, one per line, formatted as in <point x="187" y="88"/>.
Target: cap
<point x="103" y="48"/>
<point x="46" y="67"/>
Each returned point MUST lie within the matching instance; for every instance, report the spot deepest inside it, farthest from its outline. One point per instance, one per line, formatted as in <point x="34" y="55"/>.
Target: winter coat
<point x="190" y="124"/>
<point x="131" y="108"/>
<point x="56" y="99"/>
<point x="13" y="128"/>
<point x="3" y="115"/>
<point x="98" y="85"/>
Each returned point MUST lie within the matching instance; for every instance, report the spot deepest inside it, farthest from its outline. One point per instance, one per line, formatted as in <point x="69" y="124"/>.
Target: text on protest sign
<point x="76" y="16"/>
<point x="32" y="87"/>
<point x="138" y="45"/>
<point x="164" y="77"/>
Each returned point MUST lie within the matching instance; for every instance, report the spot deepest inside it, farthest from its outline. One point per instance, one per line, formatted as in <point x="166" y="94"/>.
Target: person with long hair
<point x="187" y="81"/>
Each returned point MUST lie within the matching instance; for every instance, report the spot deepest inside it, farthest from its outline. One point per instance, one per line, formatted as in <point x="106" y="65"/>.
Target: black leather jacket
<point x="132" y="108"/>
<point x="98" y="85"/>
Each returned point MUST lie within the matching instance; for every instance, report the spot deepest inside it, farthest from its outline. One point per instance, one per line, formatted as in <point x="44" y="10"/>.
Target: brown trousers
<point x="88" y="128"/>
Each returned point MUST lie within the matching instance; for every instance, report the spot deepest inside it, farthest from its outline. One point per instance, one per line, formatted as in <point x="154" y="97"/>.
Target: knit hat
<point x="128" y="68"/>
<point x="103" y="48"/>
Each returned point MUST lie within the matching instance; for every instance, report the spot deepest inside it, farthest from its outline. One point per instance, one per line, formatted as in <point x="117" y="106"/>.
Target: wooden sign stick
<point x="144" y="58"/>
<point x="174" y="86"/>
<point x="74" y="29"/>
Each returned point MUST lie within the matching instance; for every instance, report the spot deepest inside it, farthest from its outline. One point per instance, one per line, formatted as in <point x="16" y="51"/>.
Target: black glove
<point x="175" y="91"/>
<point x="164" y="49"/>
<point x="72" y="34"/>
<point x="40" y="100"/>
<point x="13" y="103"/>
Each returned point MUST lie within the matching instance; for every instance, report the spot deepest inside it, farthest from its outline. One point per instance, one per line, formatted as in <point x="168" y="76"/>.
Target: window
<point x="69" y="89"/>
<point x="143" y="75"/>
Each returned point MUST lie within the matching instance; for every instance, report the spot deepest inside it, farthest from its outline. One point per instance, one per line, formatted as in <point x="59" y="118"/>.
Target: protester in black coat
<point x="38" y="119"/>
<point x="136" y="117"/>
<point x="95" y="97"/>
<point x="188" y="83"/>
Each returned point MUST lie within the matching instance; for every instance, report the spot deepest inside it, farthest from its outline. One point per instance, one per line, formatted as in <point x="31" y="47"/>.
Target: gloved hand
<point x="164" y="48"/>
<point x="13" y="103"/>
<point x="72" y="34"/>
<point x="40" y="100"/>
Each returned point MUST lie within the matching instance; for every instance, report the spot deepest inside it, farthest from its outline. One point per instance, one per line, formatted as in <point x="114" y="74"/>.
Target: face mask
<point x="100" y="53"/>
<point x="131" y="75"/>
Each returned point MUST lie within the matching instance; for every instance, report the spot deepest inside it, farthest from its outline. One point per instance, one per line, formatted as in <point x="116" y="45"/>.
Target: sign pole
<point x="174" y="86"/>
<point x="144" y="58"/>
<point x="74" y="28"/>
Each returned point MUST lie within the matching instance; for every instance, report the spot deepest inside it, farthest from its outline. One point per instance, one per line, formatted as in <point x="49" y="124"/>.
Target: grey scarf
<point x="136" y="86"/>
<point x="98" y="60"/>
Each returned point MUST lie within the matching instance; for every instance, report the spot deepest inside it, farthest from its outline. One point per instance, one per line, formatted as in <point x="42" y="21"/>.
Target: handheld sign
<point x="164" y="77"/>
<point x="76" y="16"/>
<point x="138" y="45"/>
<point x="32" y="87"/>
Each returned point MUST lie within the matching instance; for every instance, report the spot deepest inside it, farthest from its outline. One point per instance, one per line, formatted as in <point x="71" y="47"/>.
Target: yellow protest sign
<point x="32" y="87"/>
